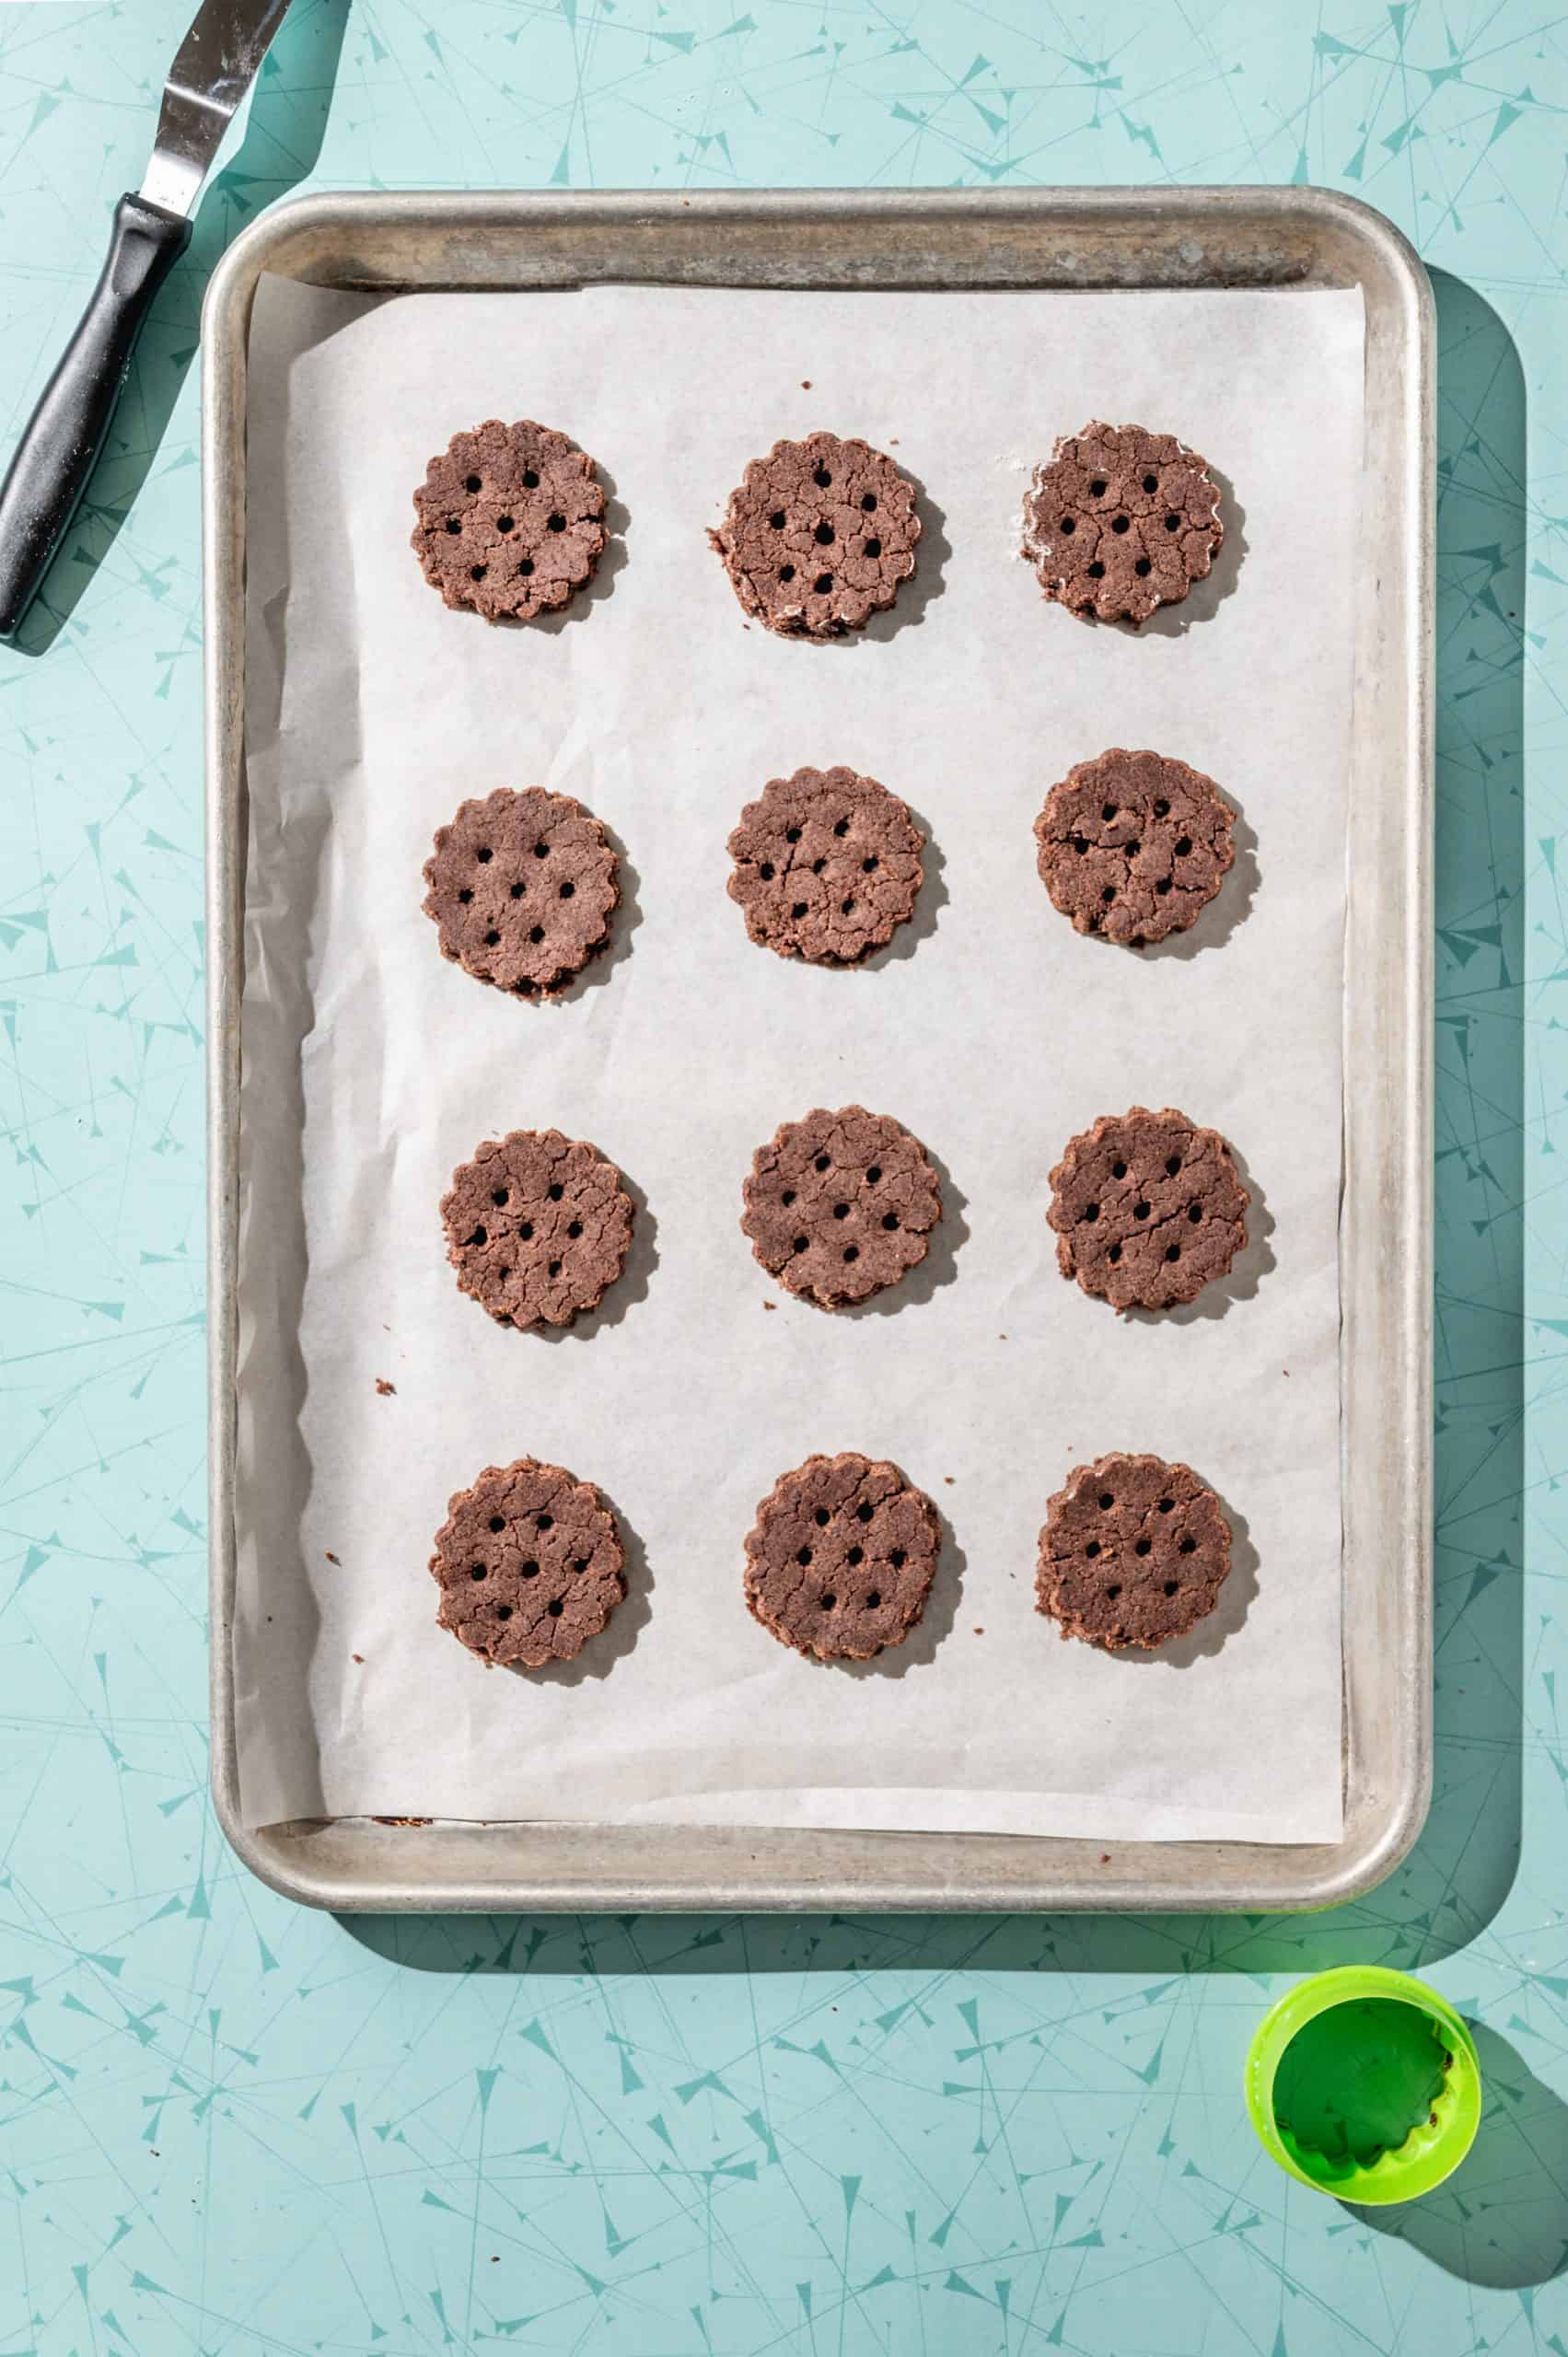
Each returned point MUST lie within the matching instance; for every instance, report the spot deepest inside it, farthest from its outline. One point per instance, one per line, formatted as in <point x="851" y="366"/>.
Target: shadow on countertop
<point x="1501" y="2219"/>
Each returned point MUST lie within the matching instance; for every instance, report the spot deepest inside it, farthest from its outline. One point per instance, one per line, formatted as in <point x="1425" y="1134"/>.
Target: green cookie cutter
<point x="1364" y="2083"/>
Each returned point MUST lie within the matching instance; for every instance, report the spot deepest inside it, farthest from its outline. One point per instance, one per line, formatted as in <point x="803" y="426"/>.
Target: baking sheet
<point x="994" y="1033"/>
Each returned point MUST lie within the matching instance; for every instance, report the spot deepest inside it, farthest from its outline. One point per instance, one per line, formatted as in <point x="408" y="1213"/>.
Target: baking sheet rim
<point x="927" y="237"/>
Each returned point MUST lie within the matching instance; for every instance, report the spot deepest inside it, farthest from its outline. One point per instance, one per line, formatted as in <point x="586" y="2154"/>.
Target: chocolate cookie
<point x="522" y="887"/>
<point x="841" y="1205"/>
<point x="1120" y="520"/>
<point x="510" y="520"/>
<point x="1133" y="846"/>
<point x="1147" y="1208"/>
<point x="530" y="1563"/>
<point x="538" y="1227"/>
<point x="841" y="1558"/>
<point x="1134" y="1552"/>
<point x="827" y="865"/>
<point x="819" y="535"/>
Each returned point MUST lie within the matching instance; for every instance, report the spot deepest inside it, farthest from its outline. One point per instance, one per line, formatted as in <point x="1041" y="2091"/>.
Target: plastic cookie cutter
<point x="1364" y="2083"/>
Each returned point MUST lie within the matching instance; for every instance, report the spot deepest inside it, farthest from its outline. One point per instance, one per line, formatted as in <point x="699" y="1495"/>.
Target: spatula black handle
<point x="62" y="439"/>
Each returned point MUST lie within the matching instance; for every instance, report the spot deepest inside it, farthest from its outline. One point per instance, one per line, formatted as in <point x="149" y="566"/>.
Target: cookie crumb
<point x="356" y="1657"/>
<point x="1105" y="1857"/>
<point x="331" y="1558"/>
<point x="806" y="384"/>
<point x="769" y="1305"/>
<point x="385" y="1390"/>
<point x="948" y="1478"/>
<point x="979" y="1632"/>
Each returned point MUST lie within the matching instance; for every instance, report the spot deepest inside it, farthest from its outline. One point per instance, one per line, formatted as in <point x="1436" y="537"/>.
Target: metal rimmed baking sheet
<point x="777" y="241"/>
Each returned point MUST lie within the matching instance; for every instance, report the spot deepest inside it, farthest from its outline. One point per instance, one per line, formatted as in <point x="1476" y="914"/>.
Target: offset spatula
<point x="47" y="476"/>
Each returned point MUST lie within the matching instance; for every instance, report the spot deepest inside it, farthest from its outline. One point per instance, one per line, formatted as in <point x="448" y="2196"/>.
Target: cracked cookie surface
<point x="538" y="1226"/>
<point x="1120" y="521"/>
<point x="827" y="865"/>
<point x="1147" y="1208"/>
<point x="1133" y="846"/>
<point x="1134" y="1552"/>
<point x="841" y="1205"/>
<point x="529" y="1564"/>
<point x="819" y="535"/>
<point x="841" y="1558"/>
<point x="511" y="520"/>
<point x="522" y="887"/>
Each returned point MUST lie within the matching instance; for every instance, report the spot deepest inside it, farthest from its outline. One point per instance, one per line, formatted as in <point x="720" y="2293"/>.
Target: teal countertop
<point x="229" y="2125"/>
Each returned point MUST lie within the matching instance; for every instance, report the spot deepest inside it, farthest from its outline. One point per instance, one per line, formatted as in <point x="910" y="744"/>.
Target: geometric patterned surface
<point x="229" y="2125"/>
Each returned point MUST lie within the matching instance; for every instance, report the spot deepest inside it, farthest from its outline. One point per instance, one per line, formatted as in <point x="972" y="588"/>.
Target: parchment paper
<point x="371" y="1067"/>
